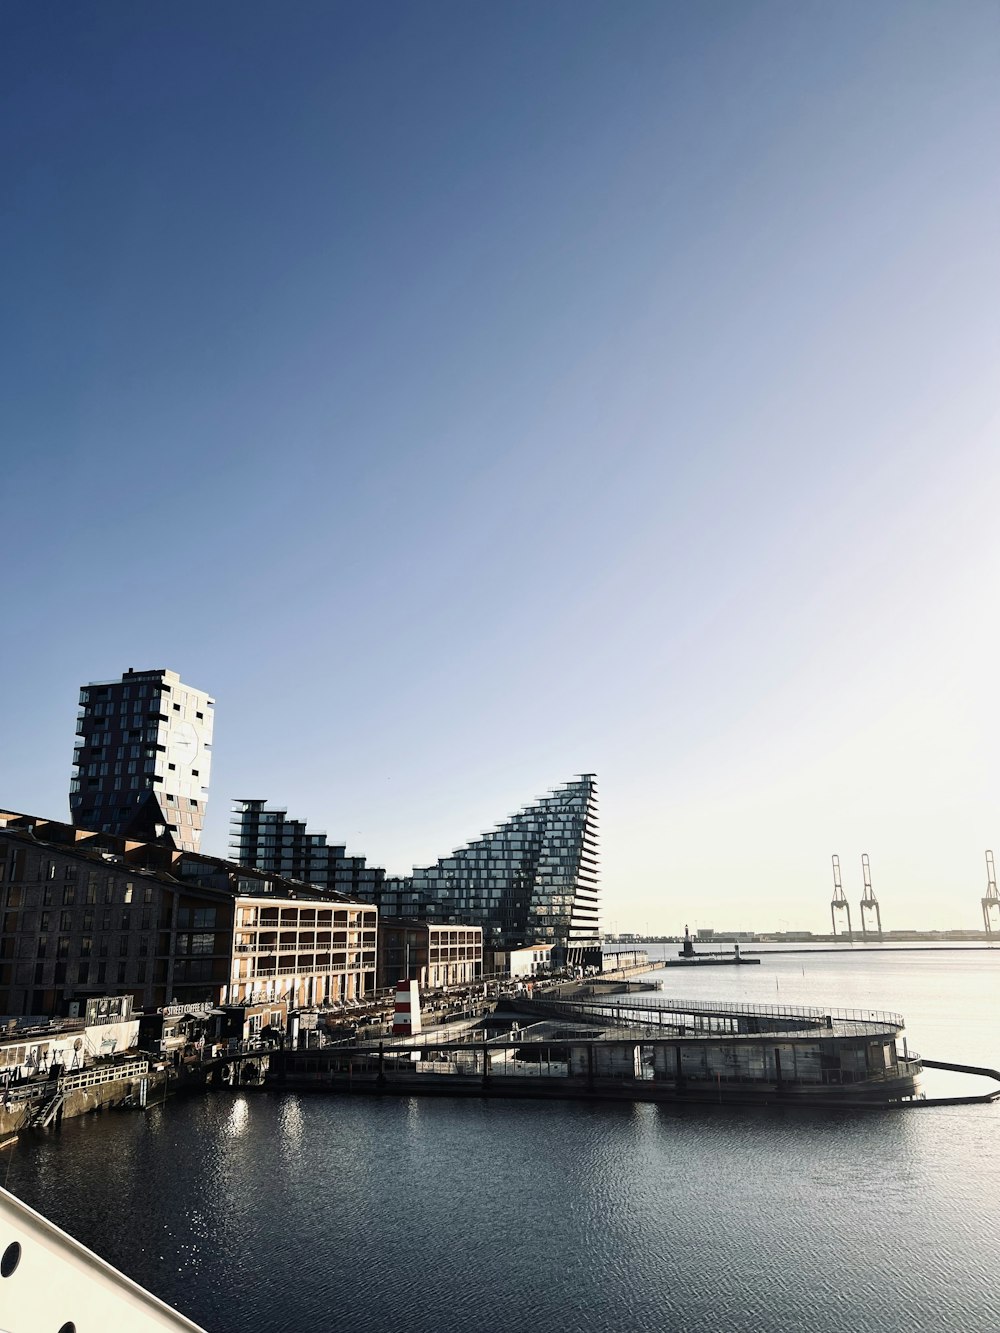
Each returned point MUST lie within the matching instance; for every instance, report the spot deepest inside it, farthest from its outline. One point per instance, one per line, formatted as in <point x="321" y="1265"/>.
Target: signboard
<point x="177" y="1010"/>
<point x="108" y="1009"/>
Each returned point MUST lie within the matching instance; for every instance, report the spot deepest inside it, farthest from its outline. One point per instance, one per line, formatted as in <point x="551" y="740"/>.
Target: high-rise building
<point x="531" y="880"/>
<point x="269" y="840"/>
<point x="142" y="759"/>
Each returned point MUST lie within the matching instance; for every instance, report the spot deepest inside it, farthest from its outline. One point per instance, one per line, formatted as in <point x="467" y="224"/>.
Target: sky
<point x="472" y="395"/>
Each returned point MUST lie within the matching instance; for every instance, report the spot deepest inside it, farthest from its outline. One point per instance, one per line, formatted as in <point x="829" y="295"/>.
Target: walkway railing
<point x="726" y="1008"/>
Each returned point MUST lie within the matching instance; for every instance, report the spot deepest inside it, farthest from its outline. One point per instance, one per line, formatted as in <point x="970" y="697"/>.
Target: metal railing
<point x="727" y="1008"/>
<point x="96" y="1075"/>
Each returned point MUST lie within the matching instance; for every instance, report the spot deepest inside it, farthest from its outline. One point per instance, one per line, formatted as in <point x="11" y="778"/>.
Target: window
<point x="202" y="943"/>
<point x="102" y="973"/>
<point x="86" y="946"/>
<point x="105" y="920"/>
<point x="69" y="895"/>
<point x="128" y="893"/>
<point x="122" y="973"/>
<point x="66" y="921"/>
<point x="123" y="946"/>
<point x="88" y="920"/>
<point x="43" y="944"/>
<point x="126" y="920"/>
<point x="69" y="874"/>
<point x="62" y="948"/>
<point x="197" y="917"/>
<point x="147" y="894"/>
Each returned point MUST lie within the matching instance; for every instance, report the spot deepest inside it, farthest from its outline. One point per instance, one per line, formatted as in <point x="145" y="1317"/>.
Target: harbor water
<point x="264" y="1212"/>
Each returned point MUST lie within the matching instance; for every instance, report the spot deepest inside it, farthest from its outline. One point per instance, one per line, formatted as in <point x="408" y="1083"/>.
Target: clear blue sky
<point x="470" y="395"/>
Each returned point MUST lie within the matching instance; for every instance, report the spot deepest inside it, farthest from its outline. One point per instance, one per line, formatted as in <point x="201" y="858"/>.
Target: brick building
<point x="430" y="953"/>
<point x="87" y="913"/>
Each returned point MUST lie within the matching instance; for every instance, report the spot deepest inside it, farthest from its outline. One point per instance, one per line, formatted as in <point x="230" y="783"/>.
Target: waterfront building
<point x="142" y="758"/>
<point x="530" y="880"/>
<point x="176" y="1030"/>
<point x="269" y="840"/>
<point x="641" y="1048"/>
<point x="329" y="949"/>
<point x="87" y="914"/>
<point x="428" y="952"/>
<point x="531" y="961"/>
<point x="622" y="960"/>
<point x="36" y="1046"/>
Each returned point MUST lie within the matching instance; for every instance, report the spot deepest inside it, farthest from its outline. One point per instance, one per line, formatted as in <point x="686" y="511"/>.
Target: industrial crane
<point x="991" y="903"/>
<point x="839" y="901"/>
<point x="869" y="902"/>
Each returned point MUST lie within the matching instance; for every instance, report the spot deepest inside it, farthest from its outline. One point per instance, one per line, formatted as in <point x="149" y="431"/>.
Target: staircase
<point x="47" y="1112"/>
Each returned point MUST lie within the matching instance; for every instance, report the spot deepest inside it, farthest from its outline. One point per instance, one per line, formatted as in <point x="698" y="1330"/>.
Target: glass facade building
<point x="530" y="880"/>
<point x="142" y="759"/>
<point x="269" y="840"/>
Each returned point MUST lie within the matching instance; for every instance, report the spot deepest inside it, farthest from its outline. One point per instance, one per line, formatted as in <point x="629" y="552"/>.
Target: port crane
<point x="869" y="903"/>
<point x="839" y="901"/>
<point x="991" y="903"/>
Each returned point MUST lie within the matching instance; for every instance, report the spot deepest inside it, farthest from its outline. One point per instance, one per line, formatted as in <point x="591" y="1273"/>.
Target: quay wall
<point x="79" y="1101"/>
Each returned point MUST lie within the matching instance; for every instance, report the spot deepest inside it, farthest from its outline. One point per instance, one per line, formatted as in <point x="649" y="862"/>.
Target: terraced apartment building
<point x="532" y="880"/>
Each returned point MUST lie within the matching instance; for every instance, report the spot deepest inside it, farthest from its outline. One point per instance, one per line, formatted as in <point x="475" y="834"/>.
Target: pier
<point x="644" y="1048"/>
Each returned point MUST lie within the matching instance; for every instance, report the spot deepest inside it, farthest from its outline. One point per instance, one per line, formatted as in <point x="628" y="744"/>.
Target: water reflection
<point x="291" y="1123"/>
<point x="238" y="1120"/>
<point x="465" y="1214"/>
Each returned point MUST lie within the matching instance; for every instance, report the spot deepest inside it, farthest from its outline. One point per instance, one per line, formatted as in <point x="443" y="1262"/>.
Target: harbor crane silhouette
<point x="991" y="903"/>
<point x="869" y="903"/>
<point x="839" y="903"/>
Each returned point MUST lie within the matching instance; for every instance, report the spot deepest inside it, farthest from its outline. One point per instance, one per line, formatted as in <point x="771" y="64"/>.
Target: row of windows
<point x="62" y="946"/>
<point x="143" y="690"/>
<point x="88" y="974"/>
<point x="71" y="890"/>
<point x="66" y="922"/>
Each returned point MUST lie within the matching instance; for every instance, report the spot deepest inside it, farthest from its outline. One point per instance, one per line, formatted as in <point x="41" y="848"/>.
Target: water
<point x="284" y="1212"/>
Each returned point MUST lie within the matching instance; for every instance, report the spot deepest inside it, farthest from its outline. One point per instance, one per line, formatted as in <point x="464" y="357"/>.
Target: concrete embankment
<point x="16" y="1117"/>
